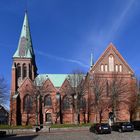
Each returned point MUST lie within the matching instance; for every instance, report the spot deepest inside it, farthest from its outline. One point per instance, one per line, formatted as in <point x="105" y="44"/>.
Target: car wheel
<point x="120" y="130"/>
<point x="96" y="132"/>
<point x="109" y="132"/>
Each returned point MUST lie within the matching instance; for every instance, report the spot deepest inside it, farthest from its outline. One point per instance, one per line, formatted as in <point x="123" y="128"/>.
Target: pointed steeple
<point x="91" y="60"/>
<point x="25" y="49"/>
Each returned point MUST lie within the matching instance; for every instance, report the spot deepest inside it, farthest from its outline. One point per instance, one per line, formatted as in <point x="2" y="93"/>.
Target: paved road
<point x="77" y="135"/>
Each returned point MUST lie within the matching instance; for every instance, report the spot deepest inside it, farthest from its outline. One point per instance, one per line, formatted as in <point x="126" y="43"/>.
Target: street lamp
<point x="76" y="109"/>
<point x="58" y="97"/>
<point x="36" y="112"/>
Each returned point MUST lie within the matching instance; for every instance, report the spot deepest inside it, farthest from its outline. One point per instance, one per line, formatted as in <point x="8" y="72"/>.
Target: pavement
<point x="74" y="134"/>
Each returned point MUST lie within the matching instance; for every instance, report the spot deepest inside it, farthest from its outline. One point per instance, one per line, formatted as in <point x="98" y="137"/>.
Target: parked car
<point x="123" y="127"/>
<point x="136" y="125"/>
<point x="102" y="128"/>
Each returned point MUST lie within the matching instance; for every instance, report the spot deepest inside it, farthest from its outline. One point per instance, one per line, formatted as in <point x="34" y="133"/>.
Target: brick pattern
<point x="39" y="110"/>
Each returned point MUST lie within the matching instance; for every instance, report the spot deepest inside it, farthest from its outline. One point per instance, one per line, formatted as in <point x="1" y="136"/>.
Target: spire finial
<point x="91" y="60"/>
<point x="26" y="6"/>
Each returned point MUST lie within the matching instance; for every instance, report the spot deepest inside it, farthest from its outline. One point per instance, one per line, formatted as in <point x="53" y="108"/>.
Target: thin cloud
<point x="122" y="18"/>
<point x="100" y="38"/>
<point x="62" y="59"/>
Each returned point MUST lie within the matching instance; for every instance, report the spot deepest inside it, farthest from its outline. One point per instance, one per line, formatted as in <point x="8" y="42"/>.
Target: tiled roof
<point x="56" y="79"/>
<point x="25" y="49"/>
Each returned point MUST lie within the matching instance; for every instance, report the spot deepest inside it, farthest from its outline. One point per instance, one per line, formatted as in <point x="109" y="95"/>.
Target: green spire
<point x="91" y="60"/>
<point x="25" y="49"/>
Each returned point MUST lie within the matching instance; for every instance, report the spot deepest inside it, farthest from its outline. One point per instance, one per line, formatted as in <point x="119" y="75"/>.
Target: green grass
<point x="15" y="127"/>
<point x="69" y="125"/>
<point x="52" y="126"/>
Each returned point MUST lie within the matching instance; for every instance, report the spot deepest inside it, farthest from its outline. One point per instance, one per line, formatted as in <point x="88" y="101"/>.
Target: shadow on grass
<point x="14" y="137"/>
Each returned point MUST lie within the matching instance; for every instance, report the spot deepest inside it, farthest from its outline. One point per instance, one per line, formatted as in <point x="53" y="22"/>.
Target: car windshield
<point x="104" y="124"/>
<point x="126" y="123"/>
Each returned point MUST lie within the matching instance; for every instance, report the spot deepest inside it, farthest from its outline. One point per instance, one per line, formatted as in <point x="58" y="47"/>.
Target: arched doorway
<point x="111" y="118"/>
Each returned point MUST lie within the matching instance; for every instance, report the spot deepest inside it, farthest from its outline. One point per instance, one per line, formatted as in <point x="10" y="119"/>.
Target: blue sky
<point x="65" y="32"/>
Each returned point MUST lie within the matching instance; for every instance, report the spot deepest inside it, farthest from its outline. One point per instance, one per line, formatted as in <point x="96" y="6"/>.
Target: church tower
<point x="24" y="65"/>
<point x="24" y="59"/>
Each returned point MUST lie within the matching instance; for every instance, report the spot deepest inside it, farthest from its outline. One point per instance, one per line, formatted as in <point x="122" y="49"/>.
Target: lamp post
<point x="76" y="112"/>
<point x="37" y="96"/>
<point x="37" y="111"/>
<point x="58" y="97"/>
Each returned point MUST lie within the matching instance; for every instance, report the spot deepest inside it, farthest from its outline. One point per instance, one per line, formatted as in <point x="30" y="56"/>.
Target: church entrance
<point x="48" y="118"/>
<point x="111" y="118"/>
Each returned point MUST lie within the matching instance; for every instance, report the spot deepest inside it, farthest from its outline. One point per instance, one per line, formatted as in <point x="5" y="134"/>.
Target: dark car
<point x="124" y="127"/>
<point x="103" y="128"/>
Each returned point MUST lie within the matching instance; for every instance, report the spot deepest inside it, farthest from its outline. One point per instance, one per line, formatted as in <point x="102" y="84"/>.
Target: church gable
<point x="66" y="87"/>
<point x="26" y="87"/>
<point x="111" y="61"/>
<point x="48" y="86"/>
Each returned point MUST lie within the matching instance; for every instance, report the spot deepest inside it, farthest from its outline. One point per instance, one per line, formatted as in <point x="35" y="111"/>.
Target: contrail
<point x="62" y="59"/>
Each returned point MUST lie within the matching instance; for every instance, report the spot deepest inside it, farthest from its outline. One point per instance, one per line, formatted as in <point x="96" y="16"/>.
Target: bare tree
<point x="98" y="102"/>
<point x="118" y="87"/>
<point x="76" y="80"/>
<point x="133" y="99"/>
<point x="3" y="91"/>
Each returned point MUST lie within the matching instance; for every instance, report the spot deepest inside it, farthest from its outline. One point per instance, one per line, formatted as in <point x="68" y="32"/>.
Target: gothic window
<point x="111" y="63"/>
<point x="83" y="103"/>
<point x="116" y="68"/>
<point x="30" y="72"/>
<point x="120" y="68"/>
<point x="48" y="117"/>
<point x="66" y="103"/>
<point x="18" y="70"/>
<point x="27" y="103"/>
<point x="47" y="100"/>
<point x="24" y="71"/>
<point x="106" y="68"/>
<point x="102" y="67"/>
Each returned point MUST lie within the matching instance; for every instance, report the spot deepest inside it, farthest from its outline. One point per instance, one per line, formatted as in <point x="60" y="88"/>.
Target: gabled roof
<point x="111" y="46"/>
<point x="56" y="79"/>
<point x="25" y="49"/>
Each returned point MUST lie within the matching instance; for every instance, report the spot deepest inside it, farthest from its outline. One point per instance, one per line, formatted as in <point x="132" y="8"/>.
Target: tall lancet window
<point x="18" y="70"/>
<point x="102" y="67"/>
<point x="111" y="63"/>
<point x="24" y="71"/>
<point x="120" y="68"/>
<point x="116" y="68"/>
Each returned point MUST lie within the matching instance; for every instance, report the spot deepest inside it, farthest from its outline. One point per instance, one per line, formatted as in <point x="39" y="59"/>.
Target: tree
<point x="118" y="88"/>
<point x="3" y="91"/>
<point x="133" y="98"/>
<point x="99" y="103"/>
<point x="76" y="80"/>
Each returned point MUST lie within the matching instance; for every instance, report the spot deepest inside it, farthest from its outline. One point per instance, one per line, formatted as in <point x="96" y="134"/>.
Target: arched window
<point x="18" y="70"/>
<point x="116" y="68"/>
<point x="102" y="67"/>
<point x="24" y="71"/>
<point x="106" y="68"/>
<point x="83" y="103"/>
<point x="111" y="63"/>
<point x="30" y="71"/>
<point x="120" y="68"/>
<point x="47" y="100"/>
<point x="66" y="103"/>
<point x="27" y="103"/>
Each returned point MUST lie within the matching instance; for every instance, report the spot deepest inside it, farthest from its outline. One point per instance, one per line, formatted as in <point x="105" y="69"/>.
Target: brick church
<point x="107" y="90"/>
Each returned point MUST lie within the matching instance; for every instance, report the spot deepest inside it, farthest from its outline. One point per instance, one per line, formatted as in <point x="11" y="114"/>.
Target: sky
<point x="65" y="32"/>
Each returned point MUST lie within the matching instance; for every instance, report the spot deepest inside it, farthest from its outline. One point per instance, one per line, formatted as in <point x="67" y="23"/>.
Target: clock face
<point x="22" y="46"/>
<point x="19" y="81"/>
